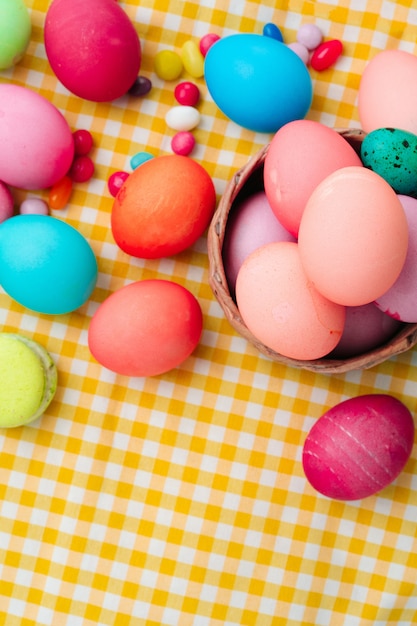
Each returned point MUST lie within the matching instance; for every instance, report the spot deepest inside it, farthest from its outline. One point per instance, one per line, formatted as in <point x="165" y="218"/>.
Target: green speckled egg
<point x="392" y="153"/>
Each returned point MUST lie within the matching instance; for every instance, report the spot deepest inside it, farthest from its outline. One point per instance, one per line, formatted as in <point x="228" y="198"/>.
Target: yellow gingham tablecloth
<point x="180" y="500"/>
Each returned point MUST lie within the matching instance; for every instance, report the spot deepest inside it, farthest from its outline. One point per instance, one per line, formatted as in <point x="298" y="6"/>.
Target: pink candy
<point x="115" y="181"/>
<point x="187" y="93"/>
<point x="326" y="54"/>
<point x="207" y="41"/>
<point x="183" y="143"/>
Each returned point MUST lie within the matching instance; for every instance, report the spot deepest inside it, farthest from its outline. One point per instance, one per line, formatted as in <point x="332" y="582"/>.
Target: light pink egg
<point x="358" y="447"/>
<point x="280" y="306"/>
<point x="387" y="95"/>
<point x="400" y="301"/>
<point x="37" y="142"/>
<point x="251" y="224"/>
<point x="353" y="236"/>
<point x="301" y="154"/>
<point x="366" y="328"/>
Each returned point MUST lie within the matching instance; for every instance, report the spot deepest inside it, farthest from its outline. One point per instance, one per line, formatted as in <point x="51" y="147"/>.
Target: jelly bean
<point x="300" y="50"/>
<point x="116" y="181"/>
<point x="310" y="36"/>
<point x="182" y="118"/>
<point x="192" y="59"/>
<point x="168" y="65"/>
<point x="60" y="193"/>
<point x="207" y="41"/>
<point x="183" y="143"/>
<point x="140" y="87"/>
<point x="326" y="54"/>
<point x="83" y="142"/>
<point x="187" y="93"/>
<point x="34" y="206"/>
<point x="82" y="169"/>
<point x="272" y="30"/>
<point x="139" y="158"/>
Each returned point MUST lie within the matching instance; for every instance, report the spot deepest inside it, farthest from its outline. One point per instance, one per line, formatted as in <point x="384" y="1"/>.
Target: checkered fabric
<point x="180" y="500"/>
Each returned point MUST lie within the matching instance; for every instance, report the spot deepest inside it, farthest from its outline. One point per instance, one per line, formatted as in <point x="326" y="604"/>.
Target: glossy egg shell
<point x="358" y="447"/>
<point x="257" y="81"/>
<point x="163" y="207"/>
<point x="93" y="48"/>
<point x="145" y="328"/>
<point x="46" y="265"/>
<point x="37" y="142"/>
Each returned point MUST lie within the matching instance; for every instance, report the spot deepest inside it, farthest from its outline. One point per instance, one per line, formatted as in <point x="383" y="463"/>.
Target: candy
<point x="15" y="32"/>
<point x="82" y="169"/>
<point x="326" y="55"/>
<point x="6" y="202"/>
<point x="358" y="447"/>
<point x="300" y="50"/>
<point x="182" y="117"/>
<point x="183" y="143"/>
<point x="116" y="181"/>
<point x="60" y="193"/>
<point x="139" y="158"/>
<point x="34" y="206"/>
<point x="83" y="142"/>
<point x="140" y="87"/>
<point x="187" y="93"/>
<point x="207" y="41"/>
<point x="310" y="36"/>
<point x="272" y="30"/>
<point x="168" y="65"/>
<point x="192" y="59"/>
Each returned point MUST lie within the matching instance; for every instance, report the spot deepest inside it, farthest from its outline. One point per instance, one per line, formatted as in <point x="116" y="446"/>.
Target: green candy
<point x="392" y="153"/>
<point x="15" y="32"/>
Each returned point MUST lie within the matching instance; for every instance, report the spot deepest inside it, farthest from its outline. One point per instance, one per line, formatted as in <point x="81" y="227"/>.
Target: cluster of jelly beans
<point x="309" y="45"/>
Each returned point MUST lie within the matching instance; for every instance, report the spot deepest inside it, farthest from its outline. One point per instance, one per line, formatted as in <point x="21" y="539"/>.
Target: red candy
<point x="116" y="181"/>
<point x="206" y="42"/>
<point x="60" y="193"/>
<point x="187" y="93"/>
<point x="82" y="169"/>
<point x="326" y="54"/>
<point x="83" y="142"/>
<point x="183" y="143"/>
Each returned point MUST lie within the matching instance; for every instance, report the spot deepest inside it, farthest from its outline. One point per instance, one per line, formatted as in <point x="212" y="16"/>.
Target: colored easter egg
<point x="15" y="32"/>
<point x="257" y="81"/>
<point x="353" y="236"/>
<point x="40" y="145"/>
<point x="358" y="447"/>
<point x="6" y="202"/>
<point x="92" y="47"/>
<point x="146" y="328"/>
<point x="387" y="95"/>
<point x="280" y="306"/>
<point x="46" y="265"/>
<point x="392" y="153"/>
<point x="163" y="207"/>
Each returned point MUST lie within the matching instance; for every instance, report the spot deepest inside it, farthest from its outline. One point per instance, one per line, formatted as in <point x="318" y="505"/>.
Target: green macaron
<point x="28" y="380"/>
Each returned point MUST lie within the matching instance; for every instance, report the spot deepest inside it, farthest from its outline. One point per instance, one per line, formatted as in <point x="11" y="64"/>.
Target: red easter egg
<point x="145" y="328"/>
<point x="163" y="207"/>
<point x="358" y="447"/>
<point x="93" y="48"/>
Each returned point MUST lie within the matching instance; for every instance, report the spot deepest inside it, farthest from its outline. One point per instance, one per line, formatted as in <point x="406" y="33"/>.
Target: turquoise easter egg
<point x="46" y="265"/>
<point x="257" y="82"/>
<point x="392" y="153"/>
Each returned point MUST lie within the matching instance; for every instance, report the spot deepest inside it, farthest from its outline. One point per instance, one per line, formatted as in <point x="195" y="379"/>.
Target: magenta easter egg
<point x="93" y="48"/>
<point x="37" y="143"/>
<point x="358" y="447"/>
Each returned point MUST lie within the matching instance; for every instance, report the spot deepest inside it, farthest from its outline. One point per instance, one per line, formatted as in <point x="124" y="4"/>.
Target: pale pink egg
<point x="387" y="95"/>
<point x="358" y="447"/>
<point x="353" y="236"/>
<point x="251" y="224"/>
<point x="282" y="309"/>
<point x="400" y="301"/>
<point x="301" y="154"/>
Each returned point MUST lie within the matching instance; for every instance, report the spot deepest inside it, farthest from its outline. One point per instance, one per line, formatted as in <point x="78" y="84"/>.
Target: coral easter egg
<point x="38" y="146"/>
<point x="358" y="447"/>
<point x="93" y="48"/>
<point x="163" y="207"/>
<point x="145" y="328"/>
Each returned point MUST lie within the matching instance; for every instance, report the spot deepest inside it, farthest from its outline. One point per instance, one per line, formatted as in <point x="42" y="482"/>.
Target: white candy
<point x="182" y="117"/>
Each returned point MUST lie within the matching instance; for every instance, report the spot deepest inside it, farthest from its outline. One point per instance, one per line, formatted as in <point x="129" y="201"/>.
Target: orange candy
<point x="163" y="207"/>
<point x="60" y="193"/>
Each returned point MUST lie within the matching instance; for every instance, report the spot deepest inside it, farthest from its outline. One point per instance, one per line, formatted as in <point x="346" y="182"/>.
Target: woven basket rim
<point x="405" y="339"/>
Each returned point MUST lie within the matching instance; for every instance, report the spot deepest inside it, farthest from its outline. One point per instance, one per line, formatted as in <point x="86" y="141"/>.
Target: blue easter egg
<point x="257" y="81"/>
<point x="46" y="265"/>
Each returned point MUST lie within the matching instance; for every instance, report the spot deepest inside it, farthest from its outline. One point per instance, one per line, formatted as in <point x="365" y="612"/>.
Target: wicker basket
<point x="246" y="181"/>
